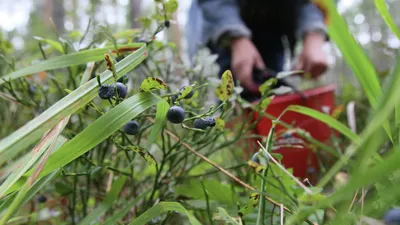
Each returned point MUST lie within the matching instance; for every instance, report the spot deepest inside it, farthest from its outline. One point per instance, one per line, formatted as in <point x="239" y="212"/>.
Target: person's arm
<point x="222" y="20"/>
<point x="223" y="26"/>
<point x="311" y="20"/>
<point x="312" y="30"/>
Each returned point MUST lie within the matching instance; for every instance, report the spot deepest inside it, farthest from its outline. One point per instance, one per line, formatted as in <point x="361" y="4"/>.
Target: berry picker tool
<point x="262" y="75"/>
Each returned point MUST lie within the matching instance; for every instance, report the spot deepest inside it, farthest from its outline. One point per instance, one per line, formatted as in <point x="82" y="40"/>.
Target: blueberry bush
<point x="121" y="131"/>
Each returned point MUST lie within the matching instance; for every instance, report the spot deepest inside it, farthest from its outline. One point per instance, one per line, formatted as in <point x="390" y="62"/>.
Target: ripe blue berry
<point x="200" y="124"/>
<point x="42" y="199"/>
<point x="255" y="158"/>
<point x="392" y="217"/>
<point x="121" y="90"/>
<point x="106" y="91"/>
<point x="173" y="98"/>
<point x="124" y="79"/>
<point x="188" y="95"/>
<point x="32" y="89"/>
<point x="210" y="121"/>
<point x="131" y="127"/>
<point x="176" y="114"/>
<point x="167" y="23"/>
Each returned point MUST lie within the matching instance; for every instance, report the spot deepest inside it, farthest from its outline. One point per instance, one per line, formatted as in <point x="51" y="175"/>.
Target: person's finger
<point x="258" y="62"/>
<point x="299" y="64"/>
<point x="318" y="69"/>
<point x="247" y="77"/>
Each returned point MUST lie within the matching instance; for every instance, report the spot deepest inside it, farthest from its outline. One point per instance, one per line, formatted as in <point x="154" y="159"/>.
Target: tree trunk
<point x="58" y="15"/>
<point x="134" y="12"/>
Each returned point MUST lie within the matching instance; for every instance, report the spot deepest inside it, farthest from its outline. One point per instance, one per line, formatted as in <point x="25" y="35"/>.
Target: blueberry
<point x="167" y="23"/>
<point x="106" y="91"/>
<point x="200" y="124"/>
<point x="121" y="90"/>
<point x="123" y="79"/>
<point x="176" y="114"/>
<point x="173" y="98"/>
<point x="210" y="121"/>
<point x="31" y="89"/>
<point x="188" y="95"/>
<point x="131" y="127"/>
<point x="255" y="158"/>
<point x="311" y="170"/>
<point x="287" y="135"/>
<point x="42" y="199"/>
<point x="392" y="217"/>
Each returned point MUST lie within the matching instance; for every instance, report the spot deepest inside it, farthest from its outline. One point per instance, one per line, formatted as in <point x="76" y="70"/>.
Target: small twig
<point x="272" y="214"/>
<point x="306" y="189"/>
<point x="354" y="199"/>
<point x="282" y="214"/>
<point x="362" y="200"/>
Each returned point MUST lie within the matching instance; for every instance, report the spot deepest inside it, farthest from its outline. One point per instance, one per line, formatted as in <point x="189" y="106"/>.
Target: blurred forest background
<point x="20" y="20"/>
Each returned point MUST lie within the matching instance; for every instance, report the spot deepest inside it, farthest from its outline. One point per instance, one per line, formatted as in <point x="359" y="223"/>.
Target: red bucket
<point x="303" y="161"/>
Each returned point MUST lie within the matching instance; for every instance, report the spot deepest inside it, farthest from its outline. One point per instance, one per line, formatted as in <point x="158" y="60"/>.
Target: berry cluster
<point x="108" y="91"/>
<point x="203" y="123"/>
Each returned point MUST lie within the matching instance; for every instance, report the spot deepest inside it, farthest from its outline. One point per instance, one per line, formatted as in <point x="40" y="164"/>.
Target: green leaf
<point x="216" y="190"/>
<point x="264" y="103"/>
<point x="354" y="55"/>
<point x="29" y="183"/>
<point x="161" y="115"/>
<point x="171" y="6"/>
<point x="267" y="86"/>
<point x="152" y="83"/>
<point x="55" y="44"/>
<point x="252" y="203"/>
<point x="184" y="92"/>
<point x="125" y="209"/>
<point x="146" y="22"/>
<point x="31" y="132"/>
<point x="98" y="131"/>
<point x="73" y="59"/>
<point x="223" y="215"/>
<point x="33" y="156"/>
<point x="161" y="208"/>
<point x="157" y="17"/>
<point x="145" y="154"/>
<point x="219" y="124"/>
<point x="330" y="121"/>
<point x="383" y="10"/>
<point x="225" y="90"/>
<point x="38" y="186"/>
<point x="108" y="202"/>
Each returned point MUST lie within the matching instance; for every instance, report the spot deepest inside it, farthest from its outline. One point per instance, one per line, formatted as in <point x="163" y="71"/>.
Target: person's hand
<point x="313" y="59"/>
<point x="244" y="58"/>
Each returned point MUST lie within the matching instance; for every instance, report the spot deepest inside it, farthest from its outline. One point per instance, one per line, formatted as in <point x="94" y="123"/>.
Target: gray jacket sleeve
<point x="221" y="16"/>
<point x="310" y="19"/>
